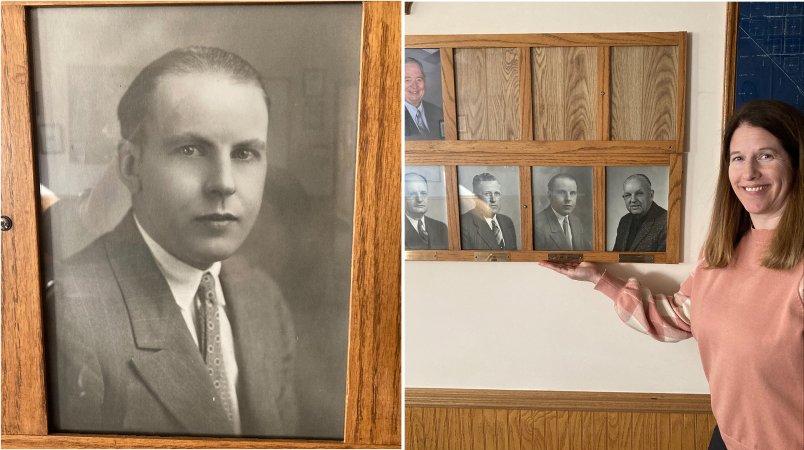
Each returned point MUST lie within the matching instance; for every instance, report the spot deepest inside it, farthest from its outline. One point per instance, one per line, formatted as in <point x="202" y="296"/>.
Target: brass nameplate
<point x="565" y="257"/>
<point x="492" y="257"/>
<point x="637" y="258"/>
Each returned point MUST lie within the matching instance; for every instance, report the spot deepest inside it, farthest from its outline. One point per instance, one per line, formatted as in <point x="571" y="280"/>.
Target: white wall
<point x="519" y="326"/>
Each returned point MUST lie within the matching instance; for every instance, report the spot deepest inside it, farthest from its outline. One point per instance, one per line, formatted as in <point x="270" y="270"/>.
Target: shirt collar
<point x="182" y="278"/>
<point x="558" y="216"/>
<point x="412" y="109"/>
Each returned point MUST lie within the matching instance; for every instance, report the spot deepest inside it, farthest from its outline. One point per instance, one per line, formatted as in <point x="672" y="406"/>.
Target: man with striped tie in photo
<point x="483" y="228"/>
<point x="422" y="119"/>
<point x="421" y="232"/>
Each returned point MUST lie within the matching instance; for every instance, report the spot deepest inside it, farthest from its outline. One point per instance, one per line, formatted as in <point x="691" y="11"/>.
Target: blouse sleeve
<point x="665" y="318"/>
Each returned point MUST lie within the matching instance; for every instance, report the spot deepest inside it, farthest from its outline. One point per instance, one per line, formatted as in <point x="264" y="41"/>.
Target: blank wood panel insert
<point x="606" y="421"/>
<point x="487" y="93"/>
<point x="565" y="91"/>
<point x="644" y="88"/>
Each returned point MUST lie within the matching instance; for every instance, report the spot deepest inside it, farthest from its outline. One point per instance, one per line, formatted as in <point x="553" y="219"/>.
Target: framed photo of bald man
<point x="636" y="208"/>
<point x="424" y="114"/>
<point x="425" y="221"/>
<point x="192" y="268"/>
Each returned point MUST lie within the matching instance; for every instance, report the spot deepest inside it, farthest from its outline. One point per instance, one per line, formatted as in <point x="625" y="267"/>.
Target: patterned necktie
<point x="422" y="231"/>
<point x="420" y="122"/>
<point x="209" y="341"/>
<point x="497" y="232"/>
<point x="566" y="226"/>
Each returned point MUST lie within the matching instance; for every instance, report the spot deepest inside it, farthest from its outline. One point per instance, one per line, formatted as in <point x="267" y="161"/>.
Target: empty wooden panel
<point x="565" y="90"/>
<point x="487" y="93"/>
<point x="644" y="84"/>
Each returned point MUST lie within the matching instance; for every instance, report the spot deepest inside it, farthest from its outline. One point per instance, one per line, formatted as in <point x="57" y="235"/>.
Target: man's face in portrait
<point x="563" y="195"/>
<point x="491" y="194"/>
<point x="638" y="197"/>
<point x="416" y="196"/>
<point x="201" y="165"/>
<point x="414" y="84"/>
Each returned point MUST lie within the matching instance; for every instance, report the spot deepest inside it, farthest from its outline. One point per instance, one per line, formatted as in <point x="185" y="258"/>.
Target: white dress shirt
<point x="183" y="280"/>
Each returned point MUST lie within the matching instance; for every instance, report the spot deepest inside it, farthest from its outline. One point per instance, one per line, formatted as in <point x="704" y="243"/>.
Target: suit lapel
<point x="261" y="333"/>
<point x="556" y="233"/>
<point x="645" y="228"/>
<point x="174" y="371"/>
<point x="484" y="231"/>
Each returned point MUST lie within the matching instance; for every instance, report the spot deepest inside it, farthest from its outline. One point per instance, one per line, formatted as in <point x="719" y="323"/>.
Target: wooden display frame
<point x="526" y="152"/>
<point x="373" y="399"/>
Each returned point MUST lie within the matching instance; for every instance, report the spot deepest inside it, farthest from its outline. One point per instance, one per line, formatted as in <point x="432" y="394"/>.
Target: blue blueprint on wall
<point x="770" y="52"/>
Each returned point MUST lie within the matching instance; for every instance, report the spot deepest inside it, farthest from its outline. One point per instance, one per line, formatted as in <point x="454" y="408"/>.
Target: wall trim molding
<point x="557" y="400"/>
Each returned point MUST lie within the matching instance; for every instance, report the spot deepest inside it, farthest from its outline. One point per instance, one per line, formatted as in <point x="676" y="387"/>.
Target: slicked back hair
<point x="136" y="101"/>
<point x="566" y="176"/>
<point x="730" y="221"/>
<point x="479" y="178"/>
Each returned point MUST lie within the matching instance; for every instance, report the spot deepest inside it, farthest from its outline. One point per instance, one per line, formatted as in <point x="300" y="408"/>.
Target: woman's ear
<point x="128" y="164"/>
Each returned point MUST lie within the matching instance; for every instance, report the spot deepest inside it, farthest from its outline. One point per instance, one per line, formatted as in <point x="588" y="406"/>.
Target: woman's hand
<point x="584" y="271"/>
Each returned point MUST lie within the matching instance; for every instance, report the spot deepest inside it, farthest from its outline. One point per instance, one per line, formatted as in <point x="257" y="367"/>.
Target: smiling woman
<point x="744" y="303"/>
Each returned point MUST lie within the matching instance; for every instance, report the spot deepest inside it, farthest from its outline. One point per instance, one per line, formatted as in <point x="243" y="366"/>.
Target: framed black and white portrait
<point x="636" y="208"/>
<point x="563" y="209"/>
<point x="425" y="205"/>
<point x="424" y="113"/>
<point x="489" y="207"/>
<point x="197" y="217"/>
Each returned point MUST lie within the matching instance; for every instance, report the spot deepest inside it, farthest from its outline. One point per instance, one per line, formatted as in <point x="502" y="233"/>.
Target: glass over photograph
<point x="489" y="204"/>
<point x="198" y="189"/>
<point x="425" y="208"/>
<point x="563" y="208"/>
<point x="424" y="113"/>
<point x="636" y="208"/>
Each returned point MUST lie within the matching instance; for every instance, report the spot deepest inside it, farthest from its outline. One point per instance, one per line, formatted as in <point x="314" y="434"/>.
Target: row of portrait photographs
<point x="424" y="113"/>
<point x="563" y="208"/>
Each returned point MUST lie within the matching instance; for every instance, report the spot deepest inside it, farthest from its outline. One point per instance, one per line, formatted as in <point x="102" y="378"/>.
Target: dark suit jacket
<point x="548" y="234"/>
<point x="436" y="234"/>
<point x="123" y="361"/>
<point x="434" y="116"/>
<point x="651" y="237"/>
<point x="476" y="234"/>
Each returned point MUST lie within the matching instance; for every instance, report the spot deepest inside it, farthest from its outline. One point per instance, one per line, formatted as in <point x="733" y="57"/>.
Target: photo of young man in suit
<point x="557" y="227"/>
<point x="421" y="232"/>
<point x="423" y="119"/>
<point x="483" y="227"/>
<point x="153" y="328"/>
<point x="644" y="228"/>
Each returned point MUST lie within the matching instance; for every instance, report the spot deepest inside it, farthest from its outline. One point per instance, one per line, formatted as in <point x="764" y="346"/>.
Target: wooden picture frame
<point x="373" y="391"/>
<point x="512" y="136"/>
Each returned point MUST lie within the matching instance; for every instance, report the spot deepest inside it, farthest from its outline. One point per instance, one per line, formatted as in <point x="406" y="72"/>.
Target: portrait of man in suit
<point x="556" y="227"/>
<point x="155" y="328"/>
<point x="422" y="119"/>
<point x="421" y="232"/>
<point x="483" y="227"/>
<point x="644" y="228"/>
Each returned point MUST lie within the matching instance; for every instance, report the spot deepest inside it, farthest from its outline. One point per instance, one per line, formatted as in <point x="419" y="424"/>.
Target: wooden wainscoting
<point x="437" y="419"/>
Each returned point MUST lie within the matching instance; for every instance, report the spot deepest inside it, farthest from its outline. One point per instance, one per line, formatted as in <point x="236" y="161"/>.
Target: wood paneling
<point x="501" y="420"/>
<point x="448" y="93"/>
<point x="644" y="92"/>
<point x="565" y="93"/>
<point x="487" y="93"/>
